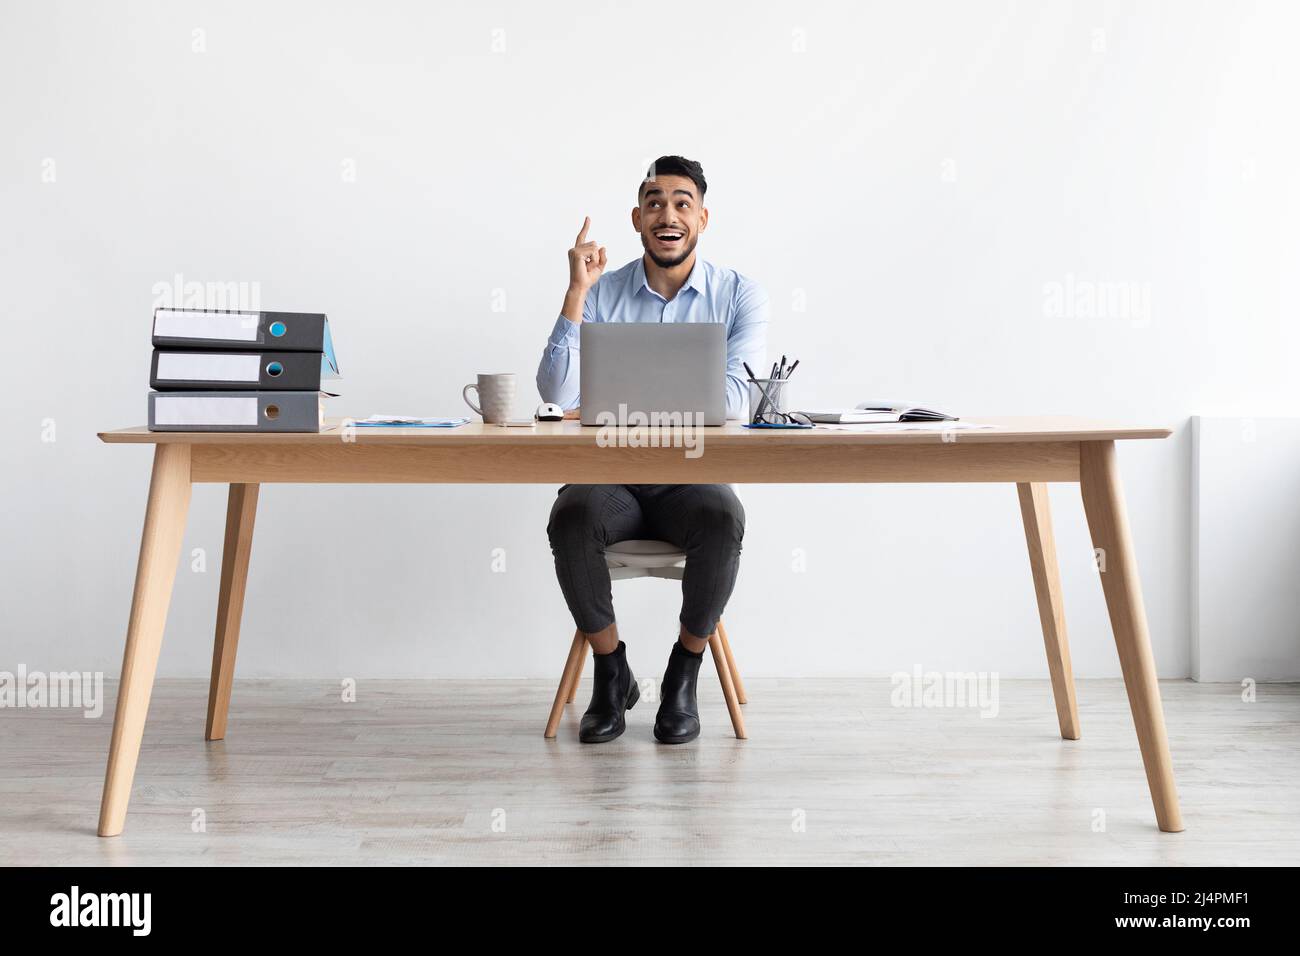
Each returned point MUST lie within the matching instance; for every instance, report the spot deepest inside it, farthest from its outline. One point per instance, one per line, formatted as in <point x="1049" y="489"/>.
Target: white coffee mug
<point x="496" y="393"/>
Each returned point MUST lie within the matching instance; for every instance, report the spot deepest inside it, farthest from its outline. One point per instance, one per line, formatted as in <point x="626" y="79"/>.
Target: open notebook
<point x="866" y="413"/>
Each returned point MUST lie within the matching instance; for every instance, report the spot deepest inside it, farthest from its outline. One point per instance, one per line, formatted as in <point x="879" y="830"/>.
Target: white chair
<point x="651" y="559"/>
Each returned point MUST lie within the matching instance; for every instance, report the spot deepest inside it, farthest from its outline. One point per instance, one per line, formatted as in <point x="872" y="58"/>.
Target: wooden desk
<point x="1028" y="452"/>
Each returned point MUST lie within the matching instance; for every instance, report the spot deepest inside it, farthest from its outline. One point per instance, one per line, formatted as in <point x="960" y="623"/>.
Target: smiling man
<point x="669" y="283"/>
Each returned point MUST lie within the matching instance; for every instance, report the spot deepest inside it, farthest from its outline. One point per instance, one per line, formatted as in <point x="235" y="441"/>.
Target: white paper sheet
<point x="182" y="324"/>
<point x="888" y="427"/>
<point x="209" y="366"/>
<point x="205" y="410"/>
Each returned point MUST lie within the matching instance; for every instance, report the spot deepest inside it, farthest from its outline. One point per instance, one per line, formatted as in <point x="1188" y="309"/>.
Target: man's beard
<point x="668" y="263"/>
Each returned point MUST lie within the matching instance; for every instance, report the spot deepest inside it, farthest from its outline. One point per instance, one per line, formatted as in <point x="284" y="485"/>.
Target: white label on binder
<point x="205" y="410"/>
<point x="208" y="367"/>
<point x="231" y="326"/>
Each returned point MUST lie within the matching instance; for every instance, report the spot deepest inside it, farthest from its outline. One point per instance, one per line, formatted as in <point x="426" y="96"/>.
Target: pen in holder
<point x="769" y="401"/>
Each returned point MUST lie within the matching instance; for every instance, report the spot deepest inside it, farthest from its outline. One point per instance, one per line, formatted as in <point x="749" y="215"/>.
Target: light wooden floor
<point x="418" y="771"/>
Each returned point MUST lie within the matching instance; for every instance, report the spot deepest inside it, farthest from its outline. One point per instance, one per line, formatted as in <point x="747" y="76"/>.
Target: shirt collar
<point x="695" y="280"/>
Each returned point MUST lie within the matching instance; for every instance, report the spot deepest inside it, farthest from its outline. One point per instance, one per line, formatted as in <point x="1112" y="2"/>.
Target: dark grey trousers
<point x="706" y="521"/>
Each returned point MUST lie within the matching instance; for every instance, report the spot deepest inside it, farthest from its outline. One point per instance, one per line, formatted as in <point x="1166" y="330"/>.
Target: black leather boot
<point x="678" y="720"/>
<point x="615" y="692"/>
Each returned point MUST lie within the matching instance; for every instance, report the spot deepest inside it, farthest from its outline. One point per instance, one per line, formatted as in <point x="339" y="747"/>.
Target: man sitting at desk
<point x="668" y="284"/>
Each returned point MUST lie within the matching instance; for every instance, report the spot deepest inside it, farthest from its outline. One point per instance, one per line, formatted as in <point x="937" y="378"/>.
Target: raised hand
<point x="586" y="260"/>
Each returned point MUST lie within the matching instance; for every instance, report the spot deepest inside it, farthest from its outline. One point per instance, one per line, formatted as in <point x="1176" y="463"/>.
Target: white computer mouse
<point x="549" y="412"/>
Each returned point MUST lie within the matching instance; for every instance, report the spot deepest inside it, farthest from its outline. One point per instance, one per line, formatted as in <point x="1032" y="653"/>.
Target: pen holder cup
<point x="769" y="401"/>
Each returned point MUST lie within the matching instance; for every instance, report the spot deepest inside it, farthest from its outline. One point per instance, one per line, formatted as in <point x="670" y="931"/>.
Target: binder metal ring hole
<point x="274" y="369"/>
<point x="272" y="412"/>
<point x="278" y="329"/>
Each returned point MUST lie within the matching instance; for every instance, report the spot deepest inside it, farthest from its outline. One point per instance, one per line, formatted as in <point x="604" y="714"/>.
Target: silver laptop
<point x="654" y="368"/>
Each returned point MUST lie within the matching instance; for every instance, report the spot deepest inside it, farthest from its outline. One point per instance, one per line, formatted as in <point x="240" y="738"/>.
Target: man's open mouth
<point x="669" y="236"/>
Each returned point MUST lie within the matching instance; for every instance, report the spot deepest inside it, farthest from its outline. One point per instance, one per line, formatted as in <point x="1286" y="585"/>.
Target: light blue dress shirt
<point x="710" y="294"/>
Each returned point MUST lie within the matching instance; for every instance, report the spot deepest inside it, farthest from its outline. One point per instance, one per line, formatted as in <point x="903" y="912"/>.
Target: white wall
<point x="925" y="178"/>
<point x="1245" y="548"/>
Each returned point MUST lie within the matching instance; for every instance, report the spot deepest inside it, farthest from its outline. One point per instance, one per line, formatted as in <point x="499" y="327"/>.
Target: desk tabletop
<point x="570" y="433"/>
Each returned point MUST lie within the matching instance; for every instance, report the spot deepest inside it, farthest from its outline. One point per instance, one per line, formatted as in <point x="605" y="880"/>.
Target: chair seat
<point x="644" y="554"/>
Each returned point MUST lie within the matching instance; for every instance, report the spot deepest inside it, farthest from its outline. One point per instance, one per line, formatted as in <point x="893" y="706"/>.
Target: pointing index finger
<point x="582" y="233"/>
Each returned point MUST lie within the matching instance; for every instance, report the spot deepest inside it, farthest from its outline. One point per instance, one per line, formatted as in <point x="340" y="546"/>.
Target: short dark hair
<point x="675" y="166"/>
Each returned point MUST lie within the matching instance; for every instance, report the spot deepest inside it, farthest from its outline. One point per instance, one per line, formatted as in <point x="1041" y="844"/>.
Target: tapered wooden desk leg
<point x="576" y="650"/>
<point x="577" y="676"/>
<point x="728" y="688"/>
<point x="241" y="509"/>
<point x="1103" y="502"/>
<point x="160" y="547"/>
<point x="731" y="665"/>
<point x="1035" y="510"/>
